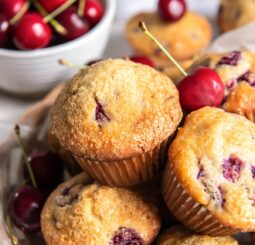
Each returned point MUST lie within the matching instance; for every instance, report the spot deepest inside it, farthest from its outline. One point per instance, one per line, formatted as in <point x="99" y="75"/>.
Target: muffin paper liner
<point x="127" y="172"/>
<point x="191" y="213"/>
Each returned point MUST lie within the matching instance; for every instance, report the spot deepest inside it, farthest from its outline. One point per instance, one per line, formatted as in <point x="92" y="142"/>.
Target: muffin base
<point x="127" y="172"/>
<point x="191" y="213"/>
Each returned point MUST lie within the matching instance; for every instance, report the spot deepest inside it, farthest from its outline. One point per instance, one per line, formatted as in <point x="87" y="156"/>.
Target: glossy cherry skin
<point x="50" y="5"/>
<point x="74" y="24"/>
<point x="47" y="168"/>
<point x="31" y="32"/>
<point x="4" y="34"/>
<point x="9" y="8"/>
<point x="203" y="87"/>
<point x="172" y="10"/>
<point x="25" y="208"/>
<point x="142" y="60"/>
<point x="93" y="11"/>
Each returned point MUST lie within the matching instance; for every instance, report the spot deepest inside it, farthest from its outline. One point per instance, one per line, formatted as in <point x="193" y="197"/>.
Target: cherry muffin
<point x="234" y="68"/>
<point x="209" y="181"/>
<point x="235" y="13"/>
<point x="179" y="235"/>
<point x="115" y="117"/>
<point x="78" y="213"/>
<point x="183" y="38"/>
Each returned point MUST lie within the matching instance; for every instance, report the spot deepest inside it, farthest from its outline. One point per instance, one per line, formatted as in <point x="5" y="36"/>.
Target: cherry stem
<point x="10" y="232"/>
<point x="70" y="64"/>
<point x="22" y="11"/>
<point x="144" y="28"/>
<point x="55" y="24"/>
<point x="59" y="10"/>
<point x="25" y="156"/>
<point x="81" y="7"/>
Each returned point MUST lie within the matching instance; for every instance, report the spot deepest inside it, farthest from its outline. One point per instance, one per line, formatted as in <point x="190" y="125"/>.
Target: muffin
<point x="237" y="71"/>
<point x="179" y="235"/>
<point x="241" y="101"/>
<point x="208" y="183"/>
<point x="183" y="38"/>
<point x="71" y="164"/>
<point x="76" y="213"/>
<point x="115" y="118"/>
<point x="235" y="13"/>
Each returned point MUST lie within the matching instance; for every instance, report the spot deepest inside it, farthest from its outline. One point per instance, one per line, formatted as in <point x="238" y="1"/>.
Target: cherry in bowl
<point x="9" y="8"/>
<point x="93" y="11"/>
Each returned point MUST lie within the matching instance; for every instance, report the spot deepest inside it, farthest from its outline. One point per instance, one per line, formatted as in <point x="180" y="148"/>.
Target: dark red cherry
<point x="73" y="23"/>
<point x="126" y="236"/>
<point x="47" y="169"/>
<point x="171" y="10"/>
<point x="25" y="208"/>
<point x="31" y="32"/>
<point x="203" y="87"/>
<point x="93" y="11"/>
<point x="50" y="5"/>
<point x="142" y="59"/>
<point x="232" y="168"/>
<point x="4" y="35"/>
<point x="9" y="8"/>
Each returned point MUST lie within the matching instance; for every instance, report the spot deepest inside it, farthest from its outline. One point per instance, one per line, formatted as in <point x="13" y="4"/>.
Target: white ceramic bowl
<point x="33" y="72"/>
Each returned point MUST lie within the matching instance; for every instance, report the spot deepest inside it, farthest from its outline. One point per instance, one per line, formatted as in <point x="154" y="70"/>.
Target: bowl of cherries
<point x="36" y="34"/>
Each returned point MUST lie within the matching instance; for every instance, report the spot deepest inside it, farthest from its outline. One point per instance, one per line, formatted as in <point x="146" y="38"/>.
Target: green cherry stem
<point x="81" y="7"/>
<point x="25" y="156"/>
<point x="11" y="234"/>
<point x="59" y="10"/>
<point x="144" y="28"/>
<point x="55" y="24"/>
<point x="71" y="65"/>
<point x="22" y="11"/>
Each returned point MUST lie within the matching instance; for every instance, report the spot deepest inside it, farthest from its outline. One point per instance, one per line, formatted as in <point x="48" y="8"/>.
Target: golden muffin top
<point x="78" y="213"/>
<point x="213" y="158"/>
<point x="116" y="109"/>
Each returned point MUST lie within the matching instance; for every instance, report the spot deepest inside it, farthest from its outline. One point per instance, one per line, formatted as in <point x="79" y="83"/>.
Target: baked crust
<point x="138" y="109"/>
<point x="78" y="213"/>
<point x="183" y="39"/>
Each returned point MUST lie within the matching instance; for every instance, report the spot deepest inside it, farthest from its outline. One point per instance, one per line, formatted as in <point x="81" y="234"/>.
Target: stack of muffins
<point x="118" y="120"/>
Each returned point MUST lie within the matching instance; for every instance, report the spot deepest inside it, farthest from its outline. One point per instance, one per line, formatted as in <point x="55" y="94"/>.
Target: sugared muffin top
<point x="76" y="213"/>
<point x="183" y="38"/>
<point x="179" y="235"/>
<point x="235" y="13"/>
<point x="116" y="109"/>
<point x="233" y="67"/>
<point x="213" y="158"/>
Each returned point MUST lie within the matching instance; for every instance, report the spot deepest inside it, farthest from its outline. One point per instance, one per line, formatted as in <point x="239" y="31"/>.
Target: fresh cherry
<point x="50" y="5"/>
<point x="172" y="10"/>
<point x="25" y="208"/>
<point x="93" y="11"/>
<point x="73" y="23"/>
<point x="9" y="8"/>
<point x="4" y="35"/>
<point x="142" y="59"/>
<point x="47" y="168"/>
<point x="203" y="87"/>
<point x="31" y="32"/>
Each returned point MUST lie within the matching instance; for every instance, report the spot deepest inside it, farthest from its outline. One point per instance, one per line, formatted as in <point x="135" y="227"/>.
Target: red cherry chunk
<point x="253" y="171"/>
<point x="127" y="236"/>
<point x="172" y="10"/>
<point x="232" y="168"/>
<point x="31" y="32"/>
<point x="142" y="60"/>
<point x="203" y="87"/>
<point x="93" y="11"/>
<point x="51" y="5"/>
<point x="231" y="59"/>
<point x="73" y="23"/>
<point x="100" y="113"/>
<point x="25" y="208"/>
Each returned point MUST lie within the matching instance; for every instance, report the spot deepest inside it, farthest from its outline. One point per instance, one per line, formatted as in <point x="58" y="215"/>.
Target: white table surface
<point x="12" y="108"/>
